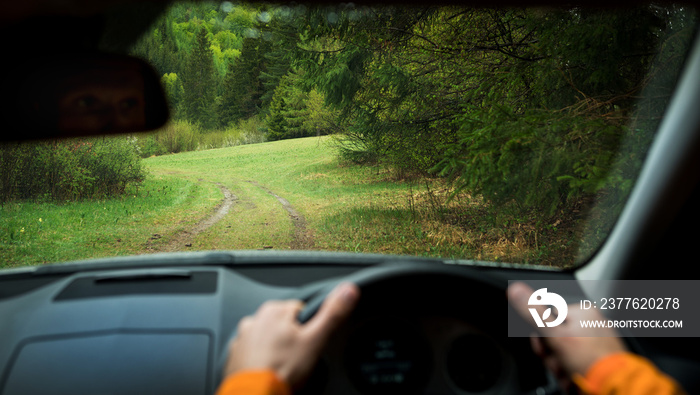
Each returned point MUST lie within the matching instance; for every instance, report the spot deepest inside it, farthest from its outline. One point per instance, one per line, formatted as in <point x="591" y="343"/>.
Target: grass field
<point x="345" y="208"/>
<point x="33" y="233"/>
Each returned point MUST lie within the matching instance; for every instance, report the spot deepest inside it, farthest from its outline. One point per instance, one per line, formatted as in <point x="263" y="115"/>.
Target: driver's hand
<point x="568" y="353"/>
<point x="274" y="339"/>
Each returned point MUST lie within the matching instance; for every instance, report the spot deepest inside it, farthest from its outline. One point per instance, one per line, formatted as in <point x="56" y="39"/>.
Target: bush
<point x="69" y="169"/>
<point x="182" y="136"/>
<point x="178" y="136"/>
<point x="247" y="131"/>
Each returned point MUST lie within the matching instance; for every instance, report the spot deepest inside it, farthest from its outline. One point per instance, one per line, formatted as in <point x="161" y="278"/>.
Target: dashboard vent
<point x="149" y="283"/>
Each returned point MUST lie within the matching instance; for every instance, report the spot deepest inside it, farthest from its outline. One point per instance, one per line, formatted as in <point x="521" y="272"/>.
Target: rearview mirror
<point x="80" y="96"/>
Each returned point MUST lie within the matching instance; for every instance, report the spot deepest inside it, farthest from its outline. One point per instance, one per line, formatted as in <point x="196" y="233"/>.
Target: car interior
<point x="161" y="323"/>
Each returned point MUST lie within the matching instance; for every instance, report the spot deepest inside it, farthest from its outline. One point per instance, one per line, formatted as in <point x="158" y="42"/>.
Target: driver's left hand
<point x="273" y="339"/>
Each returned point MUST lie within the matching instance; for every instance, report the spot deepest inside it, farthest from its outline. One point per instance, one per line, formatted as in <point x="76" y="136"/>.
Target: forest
<point x="532" y="106"/>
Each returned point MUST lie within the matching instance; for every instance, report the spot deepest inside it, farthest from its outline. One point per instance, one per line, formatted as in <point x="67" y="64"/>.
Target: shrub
<point x="182" y="136"/>
<point x="69" y="169"/>
<point x="247" y="131"/>
<point x="178" y="136"/>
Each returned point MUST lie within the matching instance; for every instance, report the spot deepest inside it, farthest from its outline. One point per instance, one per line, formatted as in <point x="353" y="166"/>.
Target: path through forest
<point x="302" y="238"/>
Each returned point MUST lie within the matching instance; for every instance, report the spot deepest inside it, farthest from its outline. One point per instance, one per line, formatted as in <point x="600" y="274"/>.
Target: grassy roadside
<point x="34" y="233"/>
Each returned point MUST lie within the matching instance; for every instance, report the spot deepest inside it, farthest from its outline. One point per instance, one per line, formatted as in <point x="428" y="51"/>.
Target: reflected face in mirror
<point x="102" y="100"/>
<point x="82" y="95"/>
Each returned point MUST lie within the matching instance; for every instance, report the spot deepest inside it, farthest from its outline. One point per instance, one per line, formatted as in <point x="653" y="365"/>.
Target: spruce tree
<point x="198" y="83"/>
<point x="276" y="123"/>
<point x="243" y="88"/>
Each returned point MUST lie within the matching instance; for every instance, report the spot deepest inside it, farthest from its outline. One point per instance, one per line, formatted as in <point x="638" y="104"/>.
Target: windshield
<point x="501" y="135"/>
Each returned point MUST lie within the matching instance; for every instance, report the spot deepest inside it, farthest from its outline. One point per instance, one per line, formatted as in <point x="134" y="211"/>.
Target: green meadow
<point x="345" y="207"/>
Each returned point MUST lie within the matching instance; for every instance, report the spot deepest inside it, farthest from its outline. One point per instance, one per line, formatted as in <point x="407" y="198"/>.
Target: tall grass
<point x="182" y="136"/>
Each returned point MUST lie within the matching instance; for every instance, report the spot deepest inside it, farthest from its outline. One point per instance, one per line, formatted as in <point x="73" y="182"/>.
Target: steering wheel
<point x="384" y="347"/>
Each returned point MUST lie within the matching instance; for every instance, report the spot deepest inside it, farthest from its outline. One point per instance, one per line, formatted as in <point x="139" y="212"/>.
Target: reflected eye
<point x="129" y="103"/>
<point x="85" y="102"/>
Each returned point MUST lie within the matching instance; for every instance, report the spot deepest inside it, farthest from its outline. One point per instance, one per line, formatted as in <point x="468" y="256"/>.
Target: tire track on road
<point x="185" y="237"/>
<point x="302" y="239"/>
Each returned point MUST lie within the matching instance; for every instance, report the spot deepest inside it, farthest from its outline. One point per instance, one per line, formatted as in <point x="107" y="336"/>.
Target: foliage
<point x="532" y="158"/>
<point x="523" y="106"/>
<point x="69" y="169"/>
<point x="222" y="64"/>
<point x="196" y="42"/>
<point x="242" y="87"/>
<point x="247" y="131"/>
<point x="177" y="136"/>
<point x="294" y="113"/>
<point x="471" y="94"/>
<point x="175" y="93"/>
<point x="225" y="50"/>
<point x="550" y="128"/>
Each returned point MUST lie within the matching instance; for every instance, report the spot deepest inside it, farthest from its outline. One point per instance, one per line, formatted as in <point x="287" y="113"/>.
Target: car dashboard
<point x="161" y="324"/>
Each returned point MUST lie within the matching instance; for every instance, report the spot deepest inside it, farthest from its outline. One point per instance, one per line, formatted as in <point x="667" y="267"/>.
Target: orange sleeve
<point x="253" y="382"/>
<point x="626" y="374"/>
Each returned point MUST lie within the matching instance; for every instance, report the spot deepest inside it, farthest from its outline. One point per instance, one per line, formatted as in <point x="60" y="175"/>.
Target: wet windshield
<point x="501" y="135"/>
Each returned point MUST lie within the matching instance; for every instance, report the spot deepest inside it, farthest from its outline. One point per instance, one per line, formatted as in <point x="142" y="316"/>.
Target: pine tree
<point x="243" y="88"/>
<point x="284" y="38"/>
<point x="276" y="124"/>
<point x="278" y="66"/>
<point x="198" y="83"/>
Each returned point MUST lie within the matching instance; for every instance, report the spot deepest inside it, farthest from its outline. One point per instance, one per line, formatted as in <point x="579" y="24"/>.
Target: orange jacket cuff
<point x="253" y="382"/>
<point x="625" y="373"/>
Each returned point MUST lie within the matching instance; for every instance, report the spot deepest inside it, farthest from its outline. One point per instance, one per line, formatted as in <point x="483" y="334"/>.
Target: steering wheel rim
<point x="377" y="274"/>
<point x="381" y="275"/>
